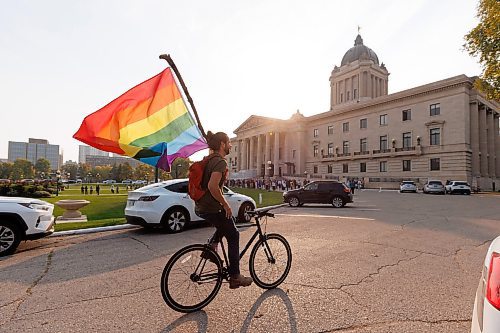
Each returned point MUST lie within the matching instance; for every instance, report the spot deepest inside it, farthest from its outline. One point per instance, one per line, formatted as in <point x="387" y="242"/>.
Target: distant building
<point x="94" y="161"/>
<point x="444" y="130"/>
<point x="33" y="150"/>
<point x="84" y="151"/>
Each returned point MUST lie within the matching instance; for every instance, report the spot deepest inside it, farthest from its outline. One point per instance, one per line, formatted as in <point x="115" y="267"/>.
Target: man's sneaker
<point x="239" y="280"/>
<point x="208" y="255"/>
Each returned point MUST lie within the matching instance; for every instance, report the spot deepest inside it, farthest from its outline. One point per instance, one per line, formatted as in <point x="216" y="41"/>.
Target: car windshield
<point x="408" y="183"/>
<point x="461" y="183"/>
<point x="435" y="183"/>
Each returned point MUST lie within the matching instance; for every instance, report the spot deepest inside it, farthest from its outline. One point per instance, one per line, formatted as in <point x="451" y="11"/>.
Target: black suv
<point x="326" y="191"/>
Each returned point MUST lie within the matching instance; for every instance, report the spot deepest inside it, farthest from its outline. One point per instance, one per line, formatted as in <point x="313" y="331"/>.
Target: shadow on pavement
<point x="199" y="317"/>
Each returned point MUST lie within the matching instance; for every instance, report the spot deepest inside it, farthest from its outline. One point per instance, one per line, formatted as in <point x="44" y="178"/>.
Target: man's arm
<point x="213" y="187"/>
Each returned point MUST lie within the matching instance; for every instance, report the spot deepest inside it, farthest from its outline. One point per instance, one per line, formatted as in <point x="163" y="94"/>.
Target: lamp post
<point x="58" y="176"/>
<point x="177" y="170"/>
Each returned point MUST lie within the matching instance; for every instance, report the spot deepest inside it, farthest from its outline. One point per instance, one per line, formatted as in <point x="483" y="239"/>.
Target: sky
<point x="62" y="60"/>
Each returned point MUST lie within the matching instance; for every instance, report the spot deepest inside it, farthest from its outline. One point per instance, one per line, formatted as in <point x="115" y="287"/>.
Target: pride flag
<point x="150" y="122"/>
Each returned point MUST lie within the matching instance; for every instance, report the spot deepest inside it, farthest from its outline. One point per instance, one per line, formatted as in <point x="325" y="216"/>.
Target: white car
<point x="408" y="186"/>
<point x="22" y="219"/>
<point x="109" y="181"/>
<point x="456" y="186"/>
<point x="167" y="204"/>
<point x="486" y="313"/>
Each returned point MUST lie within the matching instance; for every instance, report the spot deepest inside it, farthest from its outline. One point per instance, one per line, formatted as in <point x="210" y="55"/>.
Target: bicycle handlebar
<point x="264" y="211"/>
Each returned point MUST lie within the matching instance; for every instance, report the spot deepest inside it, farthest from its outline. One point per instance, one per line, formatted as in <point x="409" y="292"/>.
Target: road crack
<point x="139" y="241"/>
<point x="354" y="328"/>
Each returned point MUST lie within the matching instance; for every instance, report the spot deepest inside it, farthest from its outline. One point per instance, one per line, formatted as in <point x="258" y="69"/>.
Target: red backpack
<point x="196" y="171"/>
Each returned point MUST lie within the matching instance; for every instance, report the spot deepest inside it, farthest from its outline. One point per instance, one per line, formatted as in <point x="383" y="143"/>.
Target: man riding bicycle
<point x="214" y="208"/>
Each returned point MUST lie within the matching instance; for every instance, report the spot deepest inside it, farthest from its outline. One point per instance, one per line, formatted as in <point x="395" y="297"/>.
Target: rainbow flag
<point x="150" y="122"/>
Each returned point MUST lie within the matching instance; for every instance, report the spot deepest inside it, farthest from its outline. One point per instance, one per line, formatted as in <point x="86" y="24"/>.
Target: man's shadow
<point x="201" y="318"/>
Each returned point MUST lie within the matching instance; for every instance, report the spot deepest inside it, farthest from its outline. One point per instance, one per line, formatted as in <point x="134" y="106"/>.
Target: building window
<point x="407" y="140"/>
<point x="316" y="133"/>
<point x="315" y="151"/>
<point x="345" y="127"/>
<point x="406" y="115"/>
<point x="383" y="120"/>
<point x="293" y="153"/>
<point x="345" y="147"/>
<point x="435" y="136"/>
<point x="330" y="130"/>
<point x="363" y="123"/>
<point x="355" y="94"/>
<point x="362" y="167"/>
<point x="348" y="95"/>
<point x="330" y="168"/>
<point x="341" y="98"/>
<point x="345" y="168"/>
<point x="363" y="145"/>
<point x="330" y="149"/>
<point x="315" y="169"/>
<point x="383" y="166"/>
<point x="406" y="165"/>
<point x="383" y="142"/>
<point x="435" y="109"/>
<point x="435" y="164"/>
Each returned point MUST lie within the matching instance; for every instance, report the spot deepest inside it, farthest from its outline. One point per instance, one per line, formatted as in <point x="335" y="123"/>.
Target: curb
<point x="93" y="230"/>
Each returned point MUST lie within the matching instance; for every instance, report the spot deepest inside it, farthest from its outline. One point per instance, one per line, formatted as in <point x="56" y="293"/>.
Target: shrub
<point x="41" y="194"/>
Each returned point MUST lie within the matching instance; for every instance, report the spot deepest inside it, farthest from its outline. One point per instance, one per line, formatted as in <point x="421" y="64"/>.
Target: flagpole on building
<point x="181" y="81"/>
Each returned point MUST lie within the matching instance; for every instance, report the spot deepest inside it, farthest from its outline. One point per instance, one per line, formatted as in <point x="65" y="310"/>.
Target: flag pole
<point x="181" y="81"/>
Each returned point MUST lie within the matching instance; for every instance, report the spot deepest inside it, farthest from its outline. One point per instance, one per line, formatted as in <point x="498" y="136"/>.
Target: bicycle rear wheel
<point x="270" y="261"/>
<point x="189" y="281"/>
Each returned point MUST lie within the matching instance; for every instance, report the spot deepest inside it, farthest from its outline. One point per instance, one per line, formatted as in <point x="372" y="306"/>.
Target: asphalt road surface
<point x="389" y="262"/>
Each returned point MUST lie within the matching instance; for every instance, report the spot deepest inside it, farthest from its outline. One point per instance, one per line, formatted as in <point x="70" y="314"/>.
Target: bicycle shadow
<point x="267" y="294"/>
<point x="201" y="318"/>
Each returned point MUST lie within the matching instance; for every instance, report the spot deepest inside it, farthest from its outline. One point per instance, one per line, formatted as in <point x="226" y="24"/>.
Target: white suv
<point x="22" y="219"/>
<point x="456" y="186"/>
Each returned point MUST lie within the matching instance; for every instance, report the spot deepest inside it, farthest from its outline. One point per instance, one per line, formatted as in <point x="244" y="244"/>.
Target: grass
<point x="107" y="209"/>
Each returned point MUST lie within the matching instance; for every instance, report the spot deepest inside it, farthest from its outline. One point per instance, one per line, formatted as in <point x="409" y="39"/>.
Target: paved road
<point x="388" y="263"/>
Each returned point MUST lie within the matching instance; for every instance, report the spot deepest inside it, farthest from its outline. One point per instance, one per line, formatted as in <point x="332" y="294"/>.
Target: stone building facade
<point x="444" y="130"/>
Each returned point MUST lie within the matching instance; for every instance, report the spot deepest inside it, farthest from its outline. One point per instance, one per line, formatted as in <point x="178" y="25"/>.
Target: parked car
<point x="434" y="186"/>
<point x="109" y="181"/>
<point x="22" y="219"/>
<point x="127" y="181"/>
<point x="325" y="191"/>
<point x="486" y="313"/>
<point x="139" y="182"/>
<point x="167" y="204"/>
<point x="408" y="186"/>
<point x="456" y="186"/>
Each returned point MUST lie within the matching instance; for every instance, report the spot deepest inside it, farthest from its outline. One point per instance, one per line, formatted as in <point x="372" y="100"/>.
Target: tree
<point x="179" y="168"/>
<point x="144" y="172"/>
<point x="484" y="41"/>
<point x="126" y="171"/>
<point x="6" y="170"/>
<point x="42" y="165"/>
<point x="22" y="169"/>
<point x="71" y="168"/>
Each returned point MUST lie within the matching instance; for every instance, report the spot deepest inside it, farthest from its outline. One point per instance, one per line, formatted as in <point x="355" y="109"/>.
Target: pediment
<point x="252" y="122"/>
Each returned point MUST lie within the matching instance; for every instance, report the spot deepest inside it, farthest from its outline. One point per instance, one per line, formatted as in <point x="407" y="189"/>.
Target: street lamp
<point x="177" y="170"/>
<point x="58" y="176"/>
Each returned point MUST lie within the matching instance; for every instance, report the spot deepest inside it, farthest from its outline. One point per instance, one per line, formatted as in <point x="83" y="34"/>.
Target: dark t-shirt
<point x="207" y="203"/>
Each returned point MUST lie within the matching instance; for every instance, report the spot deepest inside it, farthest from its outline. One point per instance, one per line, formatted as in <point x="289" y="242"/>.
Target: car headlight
<point x="285" y="193"/>
<point x="149" y="198"/>
<point x="34" y="206"/>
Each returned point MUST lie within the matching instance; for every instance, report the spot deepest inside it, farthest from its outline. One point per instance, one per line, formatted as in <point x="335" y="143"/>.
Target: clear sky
<point x="62" y="60"/>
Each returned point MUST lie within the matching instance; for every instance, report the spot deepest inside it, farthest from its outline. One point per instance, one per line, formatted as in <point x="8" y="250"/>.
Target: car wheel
<point x="243" y="212"/>
<point x="337" y="202"/>
<point x="175" y="220"/>
<point x="10" y="237"/>
<point x="294" y="202"/>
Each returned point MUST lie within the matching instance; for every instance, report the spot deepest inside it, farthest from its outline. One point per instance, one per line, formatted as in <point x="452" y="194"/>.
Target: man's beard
<point x="227" y="150"/>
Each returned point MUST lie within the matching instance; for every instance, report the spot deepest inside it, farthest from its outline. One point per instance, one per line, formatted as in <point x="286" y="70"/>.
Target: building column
<point x="259" y="155"/>
<point x="238" y="155"/>
<point x="245" y="154"/>
<point x="474" y="139"/>
<point x="276" y="153"/>
<point x="267" y="154"/>
<point x="251" y="165"/>
<point x="483" y="141"/>
<point x="491" y="144"/>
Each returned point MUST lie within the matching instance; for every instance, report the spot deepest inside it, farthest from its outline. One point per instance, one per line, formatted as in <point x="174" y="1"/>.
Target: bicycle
<point x="197" y="271"/>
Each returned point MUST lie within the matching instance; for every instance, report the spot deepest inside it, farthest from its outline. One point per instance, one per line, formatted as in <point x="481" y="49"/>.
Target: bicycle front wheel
<point x="270" y="261"/>
<point x="191" y="278"/>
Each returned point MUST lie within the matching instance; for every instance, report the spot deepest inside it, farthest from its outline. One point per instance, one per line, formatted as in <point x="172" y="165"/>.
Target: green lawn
<point x="108" y="209"/>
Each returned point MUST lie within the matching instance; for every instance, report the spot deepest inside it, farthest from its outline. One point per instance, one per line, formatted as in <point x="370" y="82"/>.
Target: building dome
<point x="359" y="52"/>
